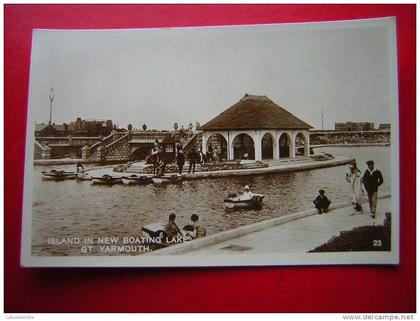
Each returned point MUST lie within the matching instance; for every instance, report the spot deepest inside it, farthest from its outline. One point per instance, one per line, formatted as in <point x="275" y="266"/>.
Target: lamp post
<point x="51" y="103"/>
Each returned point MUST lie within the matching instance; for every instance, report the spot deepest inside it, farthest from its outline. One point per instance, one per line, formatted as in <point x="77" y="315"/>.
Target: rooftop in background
<point x="255" y="112"/>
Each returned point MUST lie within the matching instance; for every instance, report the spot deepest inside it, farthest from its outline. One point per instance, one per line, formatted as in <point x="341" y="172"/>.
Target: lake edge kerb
<point x="223" y="236"/>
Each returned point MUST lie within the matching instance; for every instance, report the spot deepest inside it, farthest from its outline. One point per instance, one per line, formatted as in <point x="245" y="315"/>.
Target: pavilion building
<point x="256" y="128"/>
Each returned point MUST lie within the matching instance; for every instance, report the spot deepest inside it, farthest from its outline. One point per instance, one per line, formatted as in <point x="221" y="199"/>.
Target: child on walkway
<point x="322" y="203"/>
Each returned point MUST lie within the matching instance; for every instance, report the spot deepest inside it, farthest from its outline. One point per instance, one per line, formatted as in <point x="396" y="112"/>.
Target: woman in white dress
<point x="356" y="188"/>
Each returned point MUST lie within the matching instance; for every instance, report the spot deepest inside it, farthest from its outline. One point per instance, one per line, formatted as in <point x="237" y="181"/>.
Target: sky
<point x="161" y="76"/>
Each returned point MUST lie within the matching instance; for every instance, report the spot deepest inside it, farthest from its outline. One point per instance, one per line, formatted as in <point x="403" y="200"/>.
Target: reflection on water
<point x="79" y="209"/>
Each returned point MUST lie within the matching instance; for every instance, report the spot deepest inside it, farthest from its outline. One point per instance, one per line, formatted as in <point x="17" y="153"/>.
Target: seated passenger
<point x="247" y="194"/>
<point x="80" y="168"/>
<point x="171" y="229"/>
<point x="200" y="229"/>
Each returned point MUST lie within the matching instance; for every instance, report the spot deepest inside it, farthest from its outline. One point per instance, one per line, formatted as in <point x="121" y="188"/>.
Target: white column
<point x="278" y="135"/>
<point x="230" y="146"/>
<point x="257" y="145"/>
<point x="276" y="152"/>
<point x="307" y="151"/>
<point x="292" y="144"/>
<point x="204" y="143"/>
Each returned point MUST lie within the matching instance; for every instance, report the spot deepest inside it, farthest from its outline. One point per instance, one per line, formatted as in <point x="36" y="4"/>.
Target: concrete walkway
<point x="299" y="235"/>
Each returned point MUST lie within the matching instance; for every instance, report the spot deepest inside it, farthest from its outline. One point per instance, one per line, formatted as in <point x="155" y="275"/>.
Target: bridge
<point x="136" y="145"/>
<point x="118" y="146"/>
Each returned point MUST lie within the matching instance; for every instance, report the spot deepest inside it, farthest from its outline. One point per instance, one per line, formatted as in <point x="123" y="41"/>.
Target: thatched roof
<point x="255" y="112"/>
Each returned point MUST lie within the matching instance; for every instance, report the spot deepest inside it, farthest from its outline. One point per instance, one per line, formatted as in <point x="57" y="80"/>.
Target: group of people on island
<point x="193" y="157"/>
<point x="360" y="187"/>
<point x="159" y="163"/>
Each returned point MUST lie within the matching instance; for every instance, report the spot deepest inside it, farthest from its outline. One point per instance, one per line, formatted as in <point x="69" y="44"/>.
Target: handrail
<point x="101" y="141"/>
<point x="116" y="141"/>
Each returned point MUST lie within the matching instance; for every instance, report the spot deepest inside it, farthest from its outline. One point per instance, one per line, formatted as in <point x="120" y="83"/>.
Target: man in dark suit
<point x="372" y="179"/>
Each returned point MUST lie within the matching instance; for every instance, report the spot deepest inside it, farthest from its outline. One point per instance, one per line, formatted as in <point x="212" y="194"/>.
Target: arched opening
<point x="243" y="147"/>
<point x="216" y="148"/>
<point x="267" y="146"/>
<point x="141" y="152"/>
<point x="284" y="146"/>
<point x="300" y="145"/>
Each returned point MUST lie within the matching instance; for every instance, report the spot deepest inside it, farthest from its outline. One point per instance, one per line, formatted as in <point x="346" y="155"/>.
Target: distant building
<point x="78" y="128"/>
<point x="354" y="127"/>
<point x="45" y="130"/>
<point x="90" y="127"/>
<point x="385" y="127"/>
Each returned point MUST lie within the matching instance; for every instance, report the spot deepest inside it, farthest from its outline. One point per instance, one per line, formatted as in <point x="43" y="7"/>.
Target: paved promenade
<point x="300" y="232"/>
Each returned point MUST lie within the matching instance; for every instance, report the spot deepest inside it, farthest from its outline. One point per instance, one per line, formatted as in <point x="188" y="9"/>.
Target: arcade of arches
<point x="256" y="144"/>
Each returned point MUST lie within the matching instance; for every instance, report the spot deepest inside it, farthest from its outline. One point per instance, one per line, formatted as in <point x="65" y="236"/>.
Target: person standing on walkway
<point x="322" y="203"/>
<point x="155" y="159"/>
<point x="372" y="179"/>
<point x="192" y="158"/>
<point x="356" y="188"/>
<point x="180" y="159"/>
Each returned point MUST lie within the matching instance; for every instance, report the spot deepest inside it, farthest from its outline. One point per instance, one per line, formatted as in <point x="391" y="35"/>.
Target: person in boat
<point x="171" y="229"/>
<point x="247" y="194"/>
<point x="322" y="203"/>
<point x="180" y="159"/>
<point x="200" y="230"/>
<point x="80" y="168"/>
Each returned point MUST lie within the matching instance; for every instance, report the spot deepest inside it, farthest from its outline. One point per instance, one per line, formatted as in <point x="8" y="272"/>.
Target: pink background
<point x="281" y="289"/>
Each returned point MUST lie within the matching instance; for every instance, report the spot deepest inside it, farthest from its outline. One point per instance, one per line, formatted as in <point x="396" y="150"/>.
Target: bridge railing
<point x="150" y="135"/>
<point x="41" y="150"/>
<point x="68" y="140"/>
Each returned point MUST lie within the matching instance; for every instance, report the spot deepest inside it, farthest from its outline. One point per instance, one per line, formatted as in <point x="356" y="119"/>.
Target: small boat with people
<point x="83" y="176"/>
<point x="136" y="180"/>
<point x="168" y="234"/>
<point x="106" y="180"/>
<point x="57" y="175"/>
<point x="246" y="200"/>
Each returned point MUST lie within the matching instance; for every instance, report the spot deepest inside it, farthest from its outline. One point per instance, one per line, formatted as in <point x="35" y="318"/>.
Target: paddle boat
<point x="57" y="175"/>
<point x="234" y="201"/>
<point x="167" y="179"/>
<point x="156" y="232"/>
<point x="106" y="180"/>
<point x="136" y="180"/>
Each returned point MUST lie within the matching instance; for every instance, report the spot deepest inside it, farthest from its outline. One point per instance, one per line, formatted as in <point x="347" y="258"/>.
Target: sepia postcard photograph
<point x="246" y="145"/>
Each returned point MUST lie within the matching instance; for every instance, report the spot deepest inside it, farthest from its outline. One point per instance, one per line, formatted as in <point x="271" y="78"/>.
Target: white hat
<point x="246" y="187"/>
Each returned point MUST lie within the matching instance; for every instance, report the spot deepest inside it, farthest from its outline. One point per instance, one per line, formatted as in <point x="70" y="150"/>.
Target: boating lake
<point x="79" y="209"/>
